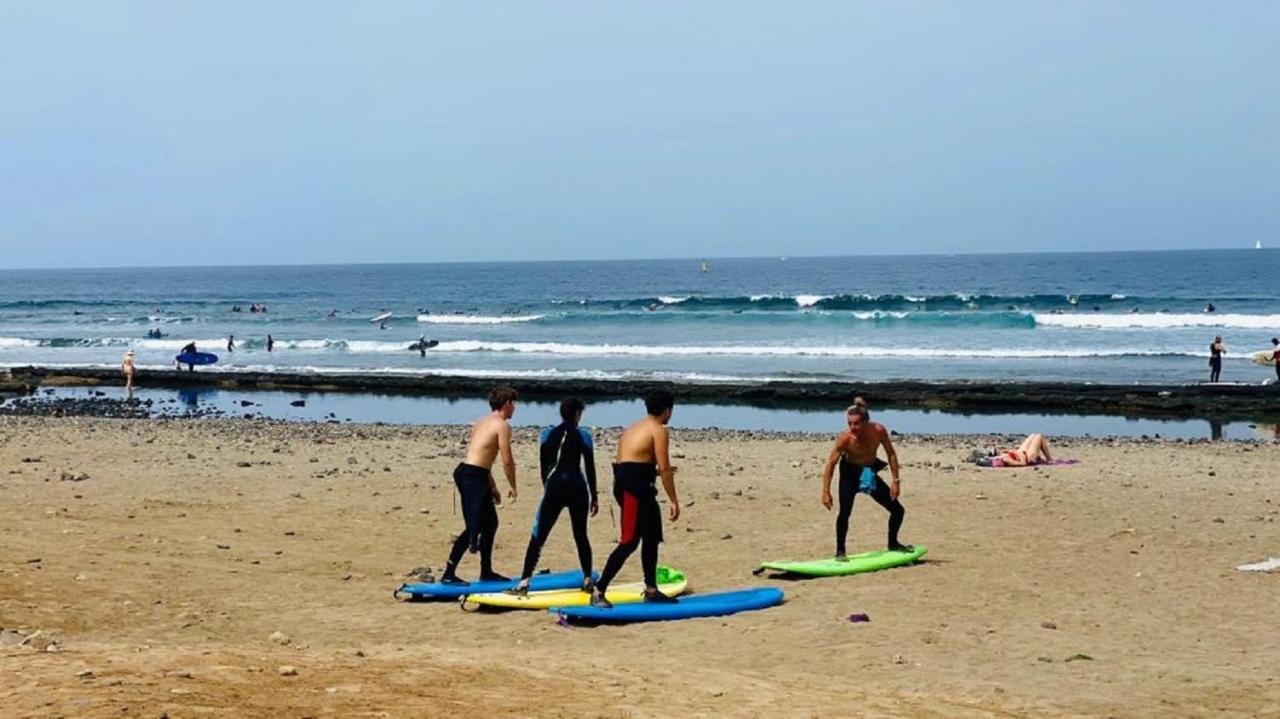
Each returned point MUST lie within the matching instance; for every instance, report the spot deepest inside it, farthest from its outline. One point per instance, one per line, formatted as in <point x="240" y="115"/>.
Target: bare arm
<point x="896" y="487"/>
<point x="829" y="470"/>
<point x="661" y="452"/>
<point x="508" y="459"/>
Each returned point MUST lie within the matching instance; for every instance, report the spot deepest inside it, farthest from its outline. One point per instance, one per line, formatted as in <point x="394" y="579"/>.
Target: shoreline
<point x="1137" y="400"/>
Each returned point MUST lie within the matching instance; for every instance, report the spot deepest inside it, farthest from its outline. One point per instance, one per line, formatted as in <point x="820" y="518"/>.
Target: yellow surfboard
<point x="671" y="582"/>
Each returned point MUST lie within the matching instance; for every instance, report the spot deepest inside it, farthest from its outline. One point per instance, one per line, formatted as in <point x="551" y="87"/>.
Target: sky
<point x="137" y="134"/>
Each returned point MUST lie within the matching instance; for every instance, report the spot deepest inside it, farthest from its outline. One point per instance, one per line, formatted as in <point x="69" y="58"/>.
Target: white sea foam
<point x="669" y="300"/>
<point x="810" y="300"/>
<point x="17" y="342"/>
<point x="1156" y="320"/>
<point x="477" y="319"/>
<point x="584" y="350"/>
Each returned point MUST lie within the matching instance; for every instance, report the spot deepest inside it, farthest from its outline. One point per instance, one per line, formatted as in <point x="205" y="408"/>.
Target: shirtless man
<point x="642" y="457"/>
<point x="855" y="451"/>
<point x="490" y="436"/>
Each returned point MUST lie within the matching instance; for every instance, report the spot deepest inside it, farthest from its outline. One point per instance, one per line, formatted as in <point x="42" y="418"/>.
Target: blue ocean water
<point x="1100" y="317"/>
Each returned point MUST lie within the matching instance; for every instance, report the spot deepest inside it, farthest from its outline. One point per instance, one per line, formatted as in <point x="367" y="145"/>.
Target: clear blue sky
<point x="163" y="133"/>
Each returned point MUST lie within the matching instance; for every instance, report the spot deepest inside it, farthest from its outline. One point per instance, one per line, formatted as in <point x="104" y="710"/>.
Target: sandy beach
<point x="246" y="568"/>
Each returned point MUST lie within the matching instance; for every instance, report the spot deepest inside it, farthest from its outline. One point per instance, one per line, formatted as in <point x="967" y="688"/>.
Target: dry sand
<point x="165" y="573"/>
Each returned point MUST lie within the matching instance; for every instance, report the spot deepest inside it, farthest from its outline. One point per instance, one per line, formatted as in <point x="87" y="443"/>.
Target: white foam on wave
<point x="17" y="342"/>
<point x="1137" y="320"/>
<point x="669" y="300"/>
<point x="477" y="319"/>
<point x="582" y="350"/>
<point x="810" y="300"/>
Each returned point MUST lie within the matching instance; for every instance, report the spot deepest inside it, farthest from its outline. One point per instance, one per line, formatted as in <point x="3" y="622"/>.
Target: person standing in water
<point x="271" y="343"/>
<point x="490" y="437"/>
<point x="231" y="343"/>
<point x="565" y="450"/>
<point x="855" y="451"/>
<point x="127" y="368"/>
<point x="1275" y="356"/>
<point x="188" y="348"/>
<point x="1216" y="350"/>
<point x="643" y="456"/>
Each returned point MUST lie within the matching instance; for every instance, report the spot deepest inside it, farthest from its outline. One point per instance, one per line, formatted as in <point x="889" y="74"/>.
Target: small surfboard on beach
<point x="381" y="318"/>
<point x="438" y="590"/>
<point x="671" y="582"/>
<point x="1266" y="358"/>
<point x="718" y="604"/>
<point x="194" y="358"/>
<point x="855" y="564"/>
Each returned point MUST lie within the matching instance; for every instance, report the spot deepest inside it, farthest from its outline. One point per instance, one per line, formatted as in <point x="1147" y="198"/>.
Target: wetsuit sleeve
<point x="589" y="461"/>
<point x="546" y="454"/>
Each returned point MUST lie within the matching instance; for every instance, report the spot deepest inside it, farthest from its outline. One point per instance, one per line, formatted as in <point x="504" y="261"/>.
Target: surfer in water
<point x="271" y="343"/>
<point x="855" y="451"/>
<point x="490" y="437"/>
<point x="564" y="451"/>
<point x="231" y="343"/>
<point x="1216" y="350"/>
<point x="643" y="456"/>
<point x="127" y="368"/>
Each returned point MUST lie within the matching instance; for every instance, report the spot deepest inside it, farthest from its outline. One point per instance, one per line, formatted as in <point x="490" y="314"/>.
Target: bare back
<point x="487" y="436"/>
<point x="641" y="441"/>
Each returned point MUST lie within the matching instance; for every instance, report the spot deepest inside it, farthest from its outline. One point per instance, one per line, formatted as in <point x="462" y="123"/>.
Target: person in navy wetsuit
<point x="565" y="450"/>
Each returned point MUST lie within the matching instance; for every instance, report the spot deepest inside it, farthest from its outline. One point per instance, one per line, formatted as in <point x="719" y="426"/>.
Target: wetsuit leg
<point x="649" y="561"/>
<point x="629" y="541"/>
<point x="896" y="511"/>
<point x="477" y="514"/>
<point x="579" y="509"/>
<point x="543" y="522"/>
<point x="848" y="492"/>
<point x="489" y="531"/>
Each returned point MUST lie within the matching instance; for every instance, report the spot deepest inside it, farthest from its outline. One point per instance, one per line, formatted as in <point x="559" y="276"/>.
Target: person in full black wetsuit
<point x="565" y="450"/>
<point x="1216" y="350"/>
<point x="189" y="348"/>
<point x="855" y="451"/>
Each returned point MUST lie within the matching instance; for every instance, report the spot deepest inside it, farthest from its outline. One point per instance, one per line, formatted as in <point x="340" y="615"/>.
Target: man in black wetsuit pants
<point x="642" y="457"/>
<point x="855" y="451"/>
<point x="490" y="436"/>
<point x="564" y="450"/>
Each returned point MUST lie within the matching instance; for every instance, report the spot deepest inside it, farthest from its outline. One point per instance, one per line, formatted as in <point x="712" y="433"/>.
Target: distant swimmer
<point x="1210" y="308"/>
<point x="490" y="437"/>
<point x="231" y="343"/>
<point x="643" y="456"/>
<point x="855" y="451"/>
<point x="1216" y="350"/>
<point x="127" y="368"/>
<point x="271" y="343"/>
<point x="565" y="450"/>
<point x="235" y="308"/>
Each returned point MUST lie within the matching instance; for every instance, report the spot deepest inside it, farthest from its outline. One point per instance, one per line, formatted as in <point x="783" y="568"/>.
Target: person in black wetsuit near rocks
<point x="565" y="450"/>
<point x="490" y="437"/>
<point x="1216" y="350"/>
<point x="855" y="451"/>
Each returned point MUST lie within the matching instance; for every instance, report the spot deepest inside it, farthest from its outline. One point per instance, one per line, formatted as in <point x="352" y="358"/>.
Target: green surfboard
<point x="855" y="564"/>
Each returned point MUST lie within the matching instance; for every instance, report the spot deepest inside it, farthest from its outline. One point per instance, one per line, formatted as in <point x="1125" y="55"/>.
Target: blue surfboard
<point x="538" y="583"/>
<point x="698" y="605"/>
<point x="196" y="358"/>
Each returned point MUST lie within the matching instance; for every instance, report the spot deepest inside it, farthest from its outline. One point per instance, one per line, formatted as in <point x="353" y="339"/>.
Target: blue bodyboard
<point x="698" y="605"/>
<point x="538" y="583"/>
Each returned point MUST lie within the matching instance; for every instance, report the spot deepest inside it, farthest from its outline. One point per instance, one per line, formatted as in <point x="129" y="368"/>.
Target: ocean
<point x="1130" y="317"/>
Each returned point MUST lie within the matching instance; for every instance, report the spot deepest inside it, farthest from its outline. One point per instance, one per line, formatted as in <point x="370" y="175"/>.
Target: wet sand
<point x="176" y="567"/>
